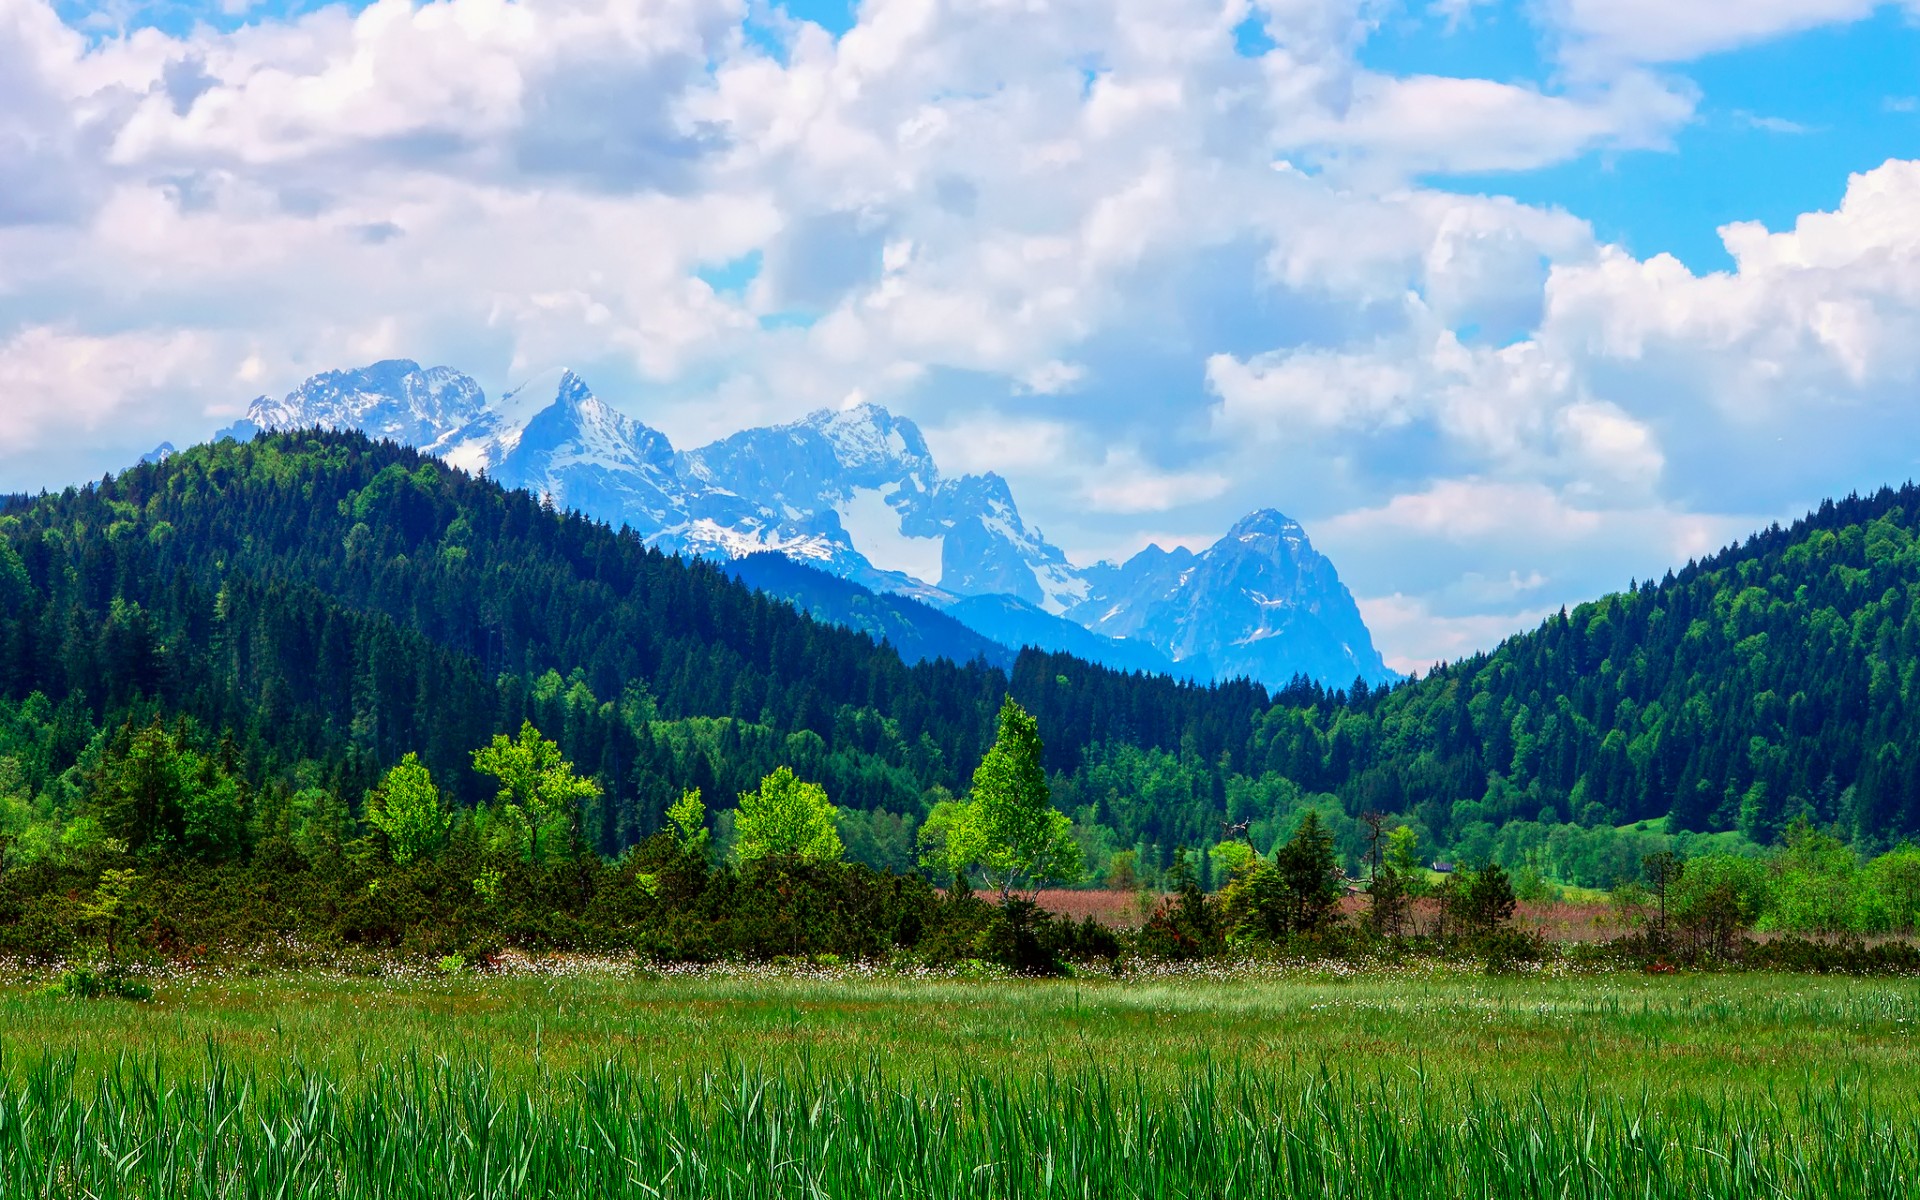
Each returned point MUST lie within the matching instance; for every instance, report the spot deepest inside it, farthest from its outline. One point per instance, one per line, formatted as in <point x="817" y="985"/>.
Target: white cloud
<point x="1419" y="637"/>
<point x="1125" y="483"/>
<point x="60" y="384"/>
<point x="1659" y="31"/>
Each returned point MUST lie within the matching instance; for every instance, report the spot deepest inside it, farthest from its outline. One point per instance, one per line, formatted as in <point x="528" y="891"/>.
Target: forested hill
<point x="319" y="605"/>
<point x="324" y="604"/>
<point x="1774" y="680"/>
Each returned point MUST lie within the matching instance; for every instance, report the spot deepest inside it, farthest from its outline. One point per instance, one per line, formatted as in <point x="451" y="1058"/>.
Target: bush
<point x="1015" y="939"/>
<point x="87" y="981"/>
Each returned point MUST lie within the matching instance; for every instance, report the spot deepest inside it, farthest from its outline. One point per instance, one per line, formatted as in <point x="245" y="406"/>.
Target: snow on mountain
<point x="856" y="493"/>
<point x="555" y="438"/>
<point x="1261" y="602"/>
<point x="394" y="399"/>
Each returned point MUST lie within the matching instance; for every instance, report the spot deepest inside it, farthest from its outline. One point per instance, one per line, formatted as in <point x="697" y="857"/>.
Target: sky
<point x="1509" y="302"/>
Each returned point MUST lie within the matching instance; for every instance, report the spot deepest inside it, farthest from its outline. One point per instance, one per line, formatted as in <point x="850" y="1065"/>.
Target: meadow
<point x="597" y="1081"/>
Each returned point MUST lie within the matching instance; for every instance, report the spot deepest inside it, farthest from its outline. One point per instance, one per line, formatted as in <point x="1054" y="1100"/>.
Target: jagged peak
<point x="1263" y="523"/>
<point x="539" y="392"/>
<point x="866" y="432"/>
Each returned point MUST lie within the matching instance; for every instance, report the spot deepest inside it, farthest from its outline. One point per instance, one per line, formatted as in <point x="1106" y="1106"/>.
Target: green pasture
<point x="1416" y="1082"/>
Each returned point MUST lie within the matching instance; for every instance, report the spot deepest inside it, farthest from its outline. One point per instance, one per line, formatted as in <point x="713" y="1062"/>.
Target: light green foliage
<point x="540" y="795"/>
<point x="1295" y="894"/>
<point x="487" y="886"/>
<point x="16" y="805"/>
<point x="688" y="816"/>
<point x="786" y="817"/>
<point x="1403" y="855"/>
<point x="1007" y="827"/>
<point x="409" y="809"/>
<point x="14" y="586"/>
<point x="1230" y="859"/>
<point x="1813" y="883"/>
<point x="1123" y="870"/>
<point x="1892" y="889"/>
<point x="104" y="908"/>
<point x="1715" y="897"/>
<point x="154" y="791"/>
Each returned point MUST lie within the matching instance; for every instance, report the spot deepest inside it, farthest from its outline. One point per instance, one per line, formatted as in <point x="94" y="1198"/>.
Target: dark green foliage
<point x="1295" y="895"/>
<point x="332" y="604"/>
<point x="206" y="665"/>
<point x="1389" y="903"/>
<point x="1482" y="901"/>
<point x="1188" y="926"/>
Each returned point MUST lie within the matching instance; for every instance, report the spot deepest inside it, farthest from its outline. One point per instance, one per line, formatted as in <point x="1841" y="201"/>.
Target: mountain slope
<point x="332" y="604"/>
<point x="916" y="631"/>
<point x="1014" y="622"/>
<point x="1777" y="679"/>
<point x="1260" y="603"/>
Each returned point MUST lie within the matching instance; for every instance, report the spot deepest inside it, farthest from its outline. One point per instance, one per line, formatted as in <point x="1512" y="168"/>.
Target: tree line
<point x="318" y="605"/>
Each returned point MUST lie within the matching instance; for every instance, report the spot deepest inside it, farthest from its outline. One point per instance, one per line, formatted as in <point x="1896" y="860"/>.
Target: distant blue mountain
<point x="918" y="631"/>
<point x="857" y="495"/>
<point x="1012" y="621"/>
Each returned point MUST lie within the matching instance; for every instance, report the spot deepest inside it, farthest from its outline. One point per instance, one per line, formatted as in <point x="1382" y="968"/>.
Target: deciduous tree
<point x="786" y="817"/>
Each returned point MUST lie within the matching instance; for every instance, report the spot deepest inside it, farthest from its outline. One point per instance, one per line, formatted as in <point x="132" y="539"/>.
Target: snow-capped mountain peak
<point x="856" y="492"/>
<point x="393" y="399"/>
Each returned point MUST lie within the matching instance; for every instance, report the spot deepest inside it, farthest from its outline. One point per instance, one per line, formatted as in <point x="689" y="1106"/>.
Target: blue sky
<point x="1393" y="266"/>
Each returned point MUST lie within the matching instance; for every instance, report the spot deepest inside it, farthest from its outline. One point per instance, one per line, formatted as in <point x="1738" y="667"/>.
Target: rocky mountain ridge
<point x="856" y="493"/>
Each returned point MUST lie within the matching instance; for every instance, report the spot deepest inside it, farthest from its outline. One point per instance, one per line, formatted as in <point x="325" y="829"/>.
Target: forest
<point x="303" y="611"/>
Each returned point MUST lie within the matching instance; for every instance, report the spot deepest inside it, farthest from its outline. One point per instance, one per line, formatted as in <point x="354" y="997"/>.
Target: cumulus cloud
<point x="1095" y="245"/>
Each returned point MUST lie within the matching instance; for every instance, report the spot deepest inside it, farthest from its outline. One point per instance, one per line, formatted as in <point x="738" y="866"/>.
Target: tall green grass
<point x="417" y="1127"/>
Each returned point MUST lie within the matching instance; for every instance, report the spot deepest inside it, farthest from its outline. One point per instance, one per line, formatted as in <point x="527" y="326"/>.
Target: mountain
<point x="394" y="400"/>
<point x="1011" y="621"/>
<point x="160" y="453"/>
<point x="918" y="632"/>
<point x="1260" y="603"/>
<point x="856" y="493"/>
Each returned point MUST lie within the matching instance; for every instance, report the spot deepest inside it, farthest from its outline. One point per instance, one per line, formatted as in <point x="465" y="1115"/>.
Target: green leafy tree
<point x="1403" y="855"/>
<point x="1893" y="881"/>
<point x="1296" y="893"/>
<point x="1814" y="888"/>
<point x="410" y="811"/>
<point x="786" y="817"/>
<point x="1230" y="860"/>
<point x="540" y="794"/>
<point x="153" y="791"/>
<point x="1388" y="905"/>
<point x="688" y="817"/>
<point x="1007" y="826"/>
<point x="103" y="909"/>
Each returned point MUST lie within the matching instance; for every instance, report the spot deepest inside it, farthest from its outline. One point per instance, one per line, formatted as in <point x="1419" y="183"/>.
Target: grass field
<point x="1402" y="1083"/>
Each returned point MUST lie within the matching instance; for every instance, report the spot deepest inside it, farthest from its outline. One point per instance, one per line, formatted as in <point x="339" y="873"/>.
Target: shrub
<point x="88" y="981"/>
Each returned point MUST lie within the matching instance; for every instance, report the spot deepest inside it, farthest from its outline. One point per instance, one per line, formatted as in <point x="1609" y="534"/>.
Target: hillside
<point x="1773" y="680"/>
<point x="324" y="604"/>
<point x="320" y="605"/>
